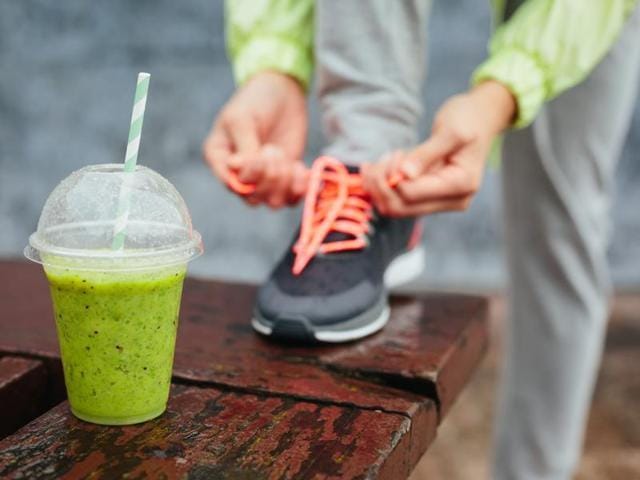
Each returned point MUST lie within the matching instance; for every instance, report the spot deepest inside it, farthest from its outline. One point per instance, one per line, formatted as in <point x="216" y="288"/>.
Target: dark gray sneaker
<point x="332" y="284"/>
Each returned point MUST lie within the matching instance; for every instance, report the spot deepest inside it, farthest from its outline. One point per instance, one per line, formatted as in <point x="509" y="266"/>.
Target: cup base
<point x="119" y="420"/>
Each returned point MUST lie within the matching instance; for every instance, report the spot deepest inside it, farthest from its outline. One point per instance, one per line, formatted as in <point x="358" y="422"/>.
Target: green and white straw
<point x="131" y="158"/>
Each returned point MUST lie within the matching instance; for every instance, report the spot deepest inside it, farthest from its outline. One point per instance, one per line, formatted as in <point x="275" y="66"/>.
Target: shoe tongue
<point x="337" y="237"/>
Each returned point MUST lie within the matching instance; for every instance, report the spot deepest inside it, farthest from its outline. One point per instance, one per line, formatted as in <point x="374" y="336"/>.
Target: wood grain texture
<point x="430" y="346"/>
<point x="412" y="371"/>
<point x="209" y="433"/>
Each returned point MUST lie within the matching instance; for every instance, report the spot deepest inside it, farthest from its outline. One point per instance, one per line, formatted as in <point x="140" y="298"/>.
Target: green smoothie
<point x="117" y="333"/>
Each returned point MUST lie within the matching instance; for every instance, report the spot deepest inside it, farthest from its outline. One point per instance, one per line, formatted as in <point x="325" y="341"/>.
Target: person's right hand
<point x="259" y="137"/>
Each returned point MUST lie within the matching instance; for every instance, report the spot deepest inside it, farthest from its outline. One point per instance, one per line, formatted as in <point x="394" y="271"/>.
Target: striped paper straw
<point x="131" y="158"/>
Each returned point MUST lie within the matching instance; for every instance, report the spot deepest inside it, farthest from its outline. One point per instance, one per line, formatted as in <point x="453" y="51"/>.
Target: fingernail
<point x="244" y="175"/>
<point x="270" y="150"/>
<point x="410" y="169"/>
<point x="235" y="161"/>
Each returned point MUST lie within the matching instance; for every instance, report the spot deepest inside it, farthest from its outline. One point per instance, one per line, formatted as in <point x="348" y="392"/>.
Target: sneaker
<point x="332" y="284"/>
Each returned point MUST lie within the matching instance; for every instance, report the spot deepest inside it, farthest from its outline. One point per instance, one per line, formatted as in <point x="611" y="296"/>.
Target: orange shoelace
<point x="335" y="202"/>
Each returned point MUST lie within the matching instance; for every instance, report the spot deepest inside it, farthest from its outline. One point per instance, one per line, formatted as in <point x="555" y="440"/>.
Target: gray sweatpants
<point x="558" y="176"/>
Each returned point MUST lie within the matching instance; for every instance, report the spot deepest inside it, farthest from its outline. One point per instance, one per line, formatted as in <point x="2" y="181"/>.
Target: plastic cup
<point x="116" y="311"/>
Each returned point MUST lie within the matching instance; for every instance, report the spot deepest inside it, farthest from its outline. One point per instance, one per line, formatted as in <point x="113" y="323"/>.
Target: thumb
<point x="234" y="162"/>
<point x="272" y="152"/>
<point x="440" y="145"/>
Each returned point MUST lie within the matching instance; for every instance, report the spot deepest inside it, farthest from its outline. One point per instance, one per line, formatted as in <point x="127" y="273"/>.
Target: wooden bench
<point x="241" y="406"/>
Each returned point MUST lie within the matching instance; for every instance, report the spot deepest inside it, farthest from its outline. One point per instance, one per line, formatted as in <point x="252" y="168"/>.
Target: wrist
<point x="279" y="77"/>
<point x="497" y="102"/>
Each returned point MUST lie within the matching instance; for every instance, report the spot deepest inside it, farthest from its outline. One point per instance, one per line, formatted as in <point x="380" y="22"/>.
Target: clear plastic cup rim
<point x="112" y="260"/>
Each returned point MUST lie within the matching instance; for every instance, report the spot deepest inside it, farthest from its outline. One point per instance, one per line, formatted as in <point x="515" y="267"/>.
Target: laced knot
<point x="335" y="203"/>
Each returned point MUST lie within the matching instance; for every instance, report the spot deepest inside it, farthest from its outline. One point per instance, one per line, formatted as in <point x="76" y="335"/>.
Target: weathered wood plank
<point x="430" y="347"/>
<point x="214" y="349"/>
<point x="436" y="342"/>
<point x="216" y="346"/>
<point x="23" y="394"/>
<point x="208" y="433"/>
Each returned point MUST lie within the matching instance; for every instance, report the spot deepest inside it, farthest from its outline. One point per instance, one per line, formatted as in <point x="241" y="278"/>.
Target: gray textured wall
<point x="67" y="72"/>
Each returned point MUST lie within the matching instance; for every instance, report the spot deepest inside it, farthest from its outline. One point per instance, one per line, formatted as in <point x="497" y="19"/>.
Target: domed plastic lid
<point x="86" y="210"/>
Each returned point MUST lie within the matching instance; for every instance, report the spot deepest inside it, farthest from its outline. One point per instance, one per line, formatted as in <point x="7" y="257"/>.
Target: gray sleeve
<point x="370" y="66"/>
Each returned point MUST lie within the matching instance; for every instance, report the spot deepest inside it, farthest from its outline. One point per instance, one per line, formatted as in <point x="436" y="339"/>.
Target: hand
<point x="445" y="171"/>
<point x="259" y="137"/>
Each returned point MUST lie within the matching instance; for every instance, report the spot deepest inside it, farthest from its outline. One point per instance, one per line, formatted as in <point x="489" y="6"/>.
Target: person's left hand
<point x="445" y="171"/>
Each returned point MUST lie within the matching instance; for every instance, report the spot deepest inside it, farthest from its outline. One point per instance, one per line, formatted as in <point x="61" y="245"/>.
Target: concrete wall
<point x="67" y="72"/>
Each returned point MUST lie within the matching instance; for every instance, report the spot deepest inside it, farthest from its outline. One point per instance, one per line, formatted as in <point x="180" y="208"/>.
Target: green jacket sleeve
<point x="548" y="46"/>
<point x="270" y="35"/>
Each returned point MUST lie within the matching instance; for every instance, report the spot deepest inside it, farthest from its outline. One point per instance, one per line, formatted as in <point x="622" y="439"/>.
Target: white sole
<point x="405" y="268"/>
<point x="401" y="270"/>
<point x="337" y="336"/>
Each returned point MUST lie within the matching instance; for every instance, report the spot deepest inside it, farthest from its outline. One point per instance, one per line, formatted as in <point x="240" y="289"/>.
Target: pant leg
<point x="370" y="62"/>
<point x="557" y="178"/>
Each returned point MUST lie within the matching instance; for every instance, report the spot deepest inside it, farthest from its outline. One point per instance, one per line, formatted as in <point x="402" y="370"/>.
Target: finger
<point x="453" y="180"/>
<point x="268" y="182"/>
<point x="274" y="156"/>
<point x="251" y="169"/>
<point x="388" y="199"/>
<point x="372" y="175"/>
<point x="365" y="173"/>
<point x="395" y="163"/>
<point x="439" y="146"/>
<point x="298" y="183"/>
<point x="243" y="133"/>
<point x="218" y="156"/>
<point x="278" y="196"/>
<point x="394" y="168"/>
<point x="370" y="186"/>
<point x="437" y="206"/>
<point x="216" y="149"/>
<point x="234" y="162"/>
<point x="217" y="163"/>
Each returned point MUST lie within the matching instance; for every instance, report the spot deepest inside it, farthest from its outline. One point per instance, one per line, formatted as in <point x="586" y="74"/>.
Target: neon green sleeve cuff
<point x="522" y="75"/>
<point x="273" y="53"/>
